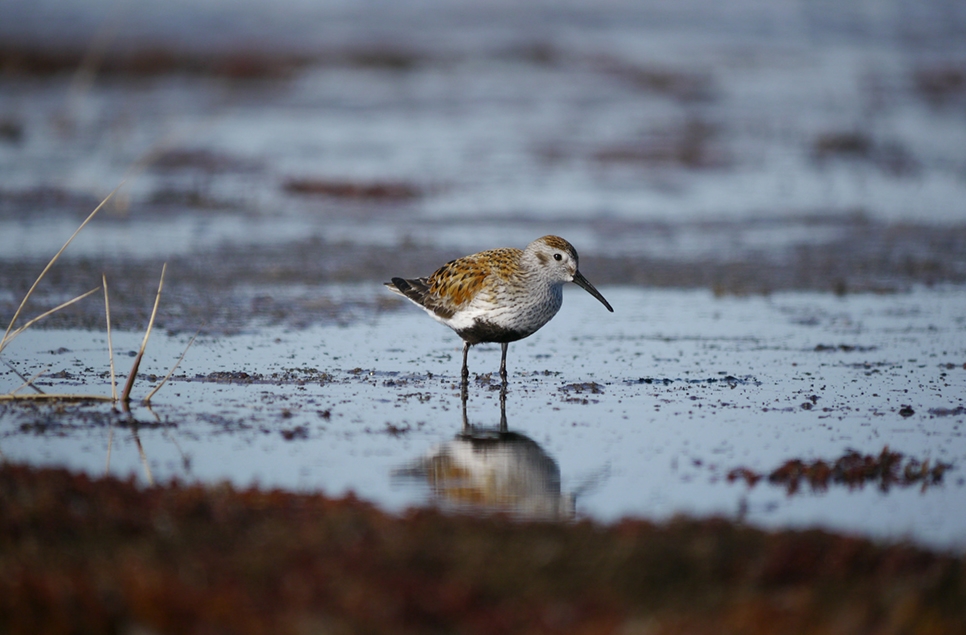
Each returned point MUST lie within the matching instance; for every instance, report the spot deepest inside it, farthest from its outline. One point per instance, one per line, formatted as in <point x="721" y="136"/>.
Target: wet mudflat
<point x="664" y="407"/>
<point x="772" y="200"/>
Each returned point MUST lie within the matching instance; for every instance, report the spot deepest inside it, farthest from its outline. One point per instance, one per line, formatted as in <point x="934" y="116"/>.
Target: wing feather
<point x="454" y="285"/>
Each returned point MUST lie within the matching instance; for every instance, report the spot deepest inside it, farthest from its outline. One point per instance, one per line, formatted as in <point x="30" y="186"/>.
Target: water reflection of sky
<point x="653" y="448"/>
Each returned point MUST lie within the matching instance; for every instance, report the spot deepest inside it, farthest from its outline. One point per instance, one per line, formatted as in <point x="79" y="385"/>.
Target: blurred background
<point x="745" y="146"/>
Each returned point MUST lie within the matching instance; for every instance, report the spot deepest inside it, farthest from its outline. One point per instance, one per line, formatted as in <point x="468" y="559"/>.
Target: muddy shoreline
<point x="231" y="286"/>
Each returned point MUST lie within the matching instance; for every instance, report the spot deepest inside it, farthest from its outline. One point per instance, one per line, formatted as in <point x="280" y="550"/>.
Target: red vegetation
<point x="852" y="469"/>
<point x="82" y="555"/>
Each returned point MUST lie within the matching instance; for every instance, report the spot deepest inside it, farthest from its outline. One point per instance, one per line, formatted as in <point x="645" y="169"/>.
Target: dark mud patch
<point x="11" y="131"/>
<point x="858" y="255"/>
<point x="44" y="61"/>
<point x="371" y="191"/>
<point x="230" y="286"/>
<point x="728" y="380"/>
<point x="187" y="185"/>
<point x="293" y="376"/>
<point x="421" y="397"/>
<point x="180" y="558"/>
<point x="693" y="145"/>
<point x="295" y="434"/>
<point x="682" y="84"/>
<point x="200" y="160"/>
<point x="166" y="198"/>
<point x="580" y="392"/>
<point x="240" y="63"/>
<point x="889" y="156"/>
<point x="686" y="86"/>
<point x="47" y="200"/>
<point x="217" y="294"/>
<point x="843" y="348"/>
<point x="941" y="84"/>
<point x="853" y="470"/>
<point x="395" y="430"/>
<point x="948" y="412"/>
<point x="588" y="387"/>
<point x="489" y="381"/>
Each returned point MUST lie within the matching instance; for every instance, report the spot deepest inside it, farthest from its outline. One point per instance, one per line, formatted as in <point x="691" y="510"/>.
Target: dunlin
<point x="499" y="295"/>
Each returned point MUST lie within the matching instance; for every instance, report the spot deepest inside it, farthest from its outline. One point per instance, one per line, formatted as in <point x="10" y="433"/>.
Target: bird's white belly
<point x="523" y="314"/>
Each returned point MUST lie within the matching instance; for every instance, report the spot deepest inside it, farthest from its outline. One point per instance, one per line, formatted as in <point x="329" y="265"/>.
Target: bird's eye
<point x="557" y="257"/>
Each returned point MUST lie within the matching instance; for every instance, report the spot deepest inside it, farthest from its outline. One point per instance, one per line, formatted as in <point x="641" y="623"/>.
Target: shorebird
<point x="499" y="295"/>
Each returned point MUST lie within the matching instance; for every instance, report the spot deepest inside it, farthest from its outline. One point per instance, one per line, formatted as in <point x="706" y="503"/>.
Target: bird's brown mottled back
<point x="457" y="282"/>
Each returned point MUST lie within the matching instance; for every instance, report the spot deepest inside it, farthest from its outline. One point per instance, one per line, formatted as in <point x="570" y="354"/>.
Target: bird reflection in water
<point x="490" y="469"/>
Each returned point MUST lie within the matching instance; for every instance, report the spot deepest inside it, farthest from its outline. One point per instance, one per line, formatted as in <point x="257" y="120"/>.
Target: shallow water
<point x="642" y="412"/>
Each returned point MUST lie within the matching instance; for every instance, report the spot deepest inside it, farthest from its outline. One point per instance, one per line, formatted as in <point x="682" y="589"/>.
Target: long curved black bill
<point x="584" y="284"/>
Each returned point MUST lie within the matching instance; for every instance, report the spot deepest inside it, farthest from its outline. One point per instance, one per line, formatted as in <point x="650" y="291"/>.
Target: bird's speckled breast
<point x="518" y="313"/>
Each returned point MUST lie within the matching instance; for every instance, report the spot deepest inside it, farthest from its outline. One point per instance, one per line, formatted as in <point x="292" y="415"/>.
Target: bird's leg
<point x="503" y="386"/>
<point x="504" y="346"/>
<point x="503" y="426"/>
<point x="466" y="370"/>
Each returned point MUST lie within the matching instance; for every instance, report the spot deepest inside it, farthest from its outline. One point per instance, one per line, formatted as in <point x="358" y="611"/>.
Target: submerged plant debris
<point x="852" y="469"/>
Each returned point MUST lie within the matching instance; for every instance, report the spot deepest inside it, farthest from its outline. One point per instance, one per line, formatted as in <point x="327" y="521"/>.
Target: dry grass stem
<point x="126" y="394"/>
<point x="11" y="336"/>
<point x="6" y="335"/>
<point x="30" y="382"/>
<point x="10" y="333"/>
<point x="26" y="382"/>
<point x="129" y="384"/>
<point x="110" y="345"/>
<point x="147" y="400"/>
<point x="54" y="397"/>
